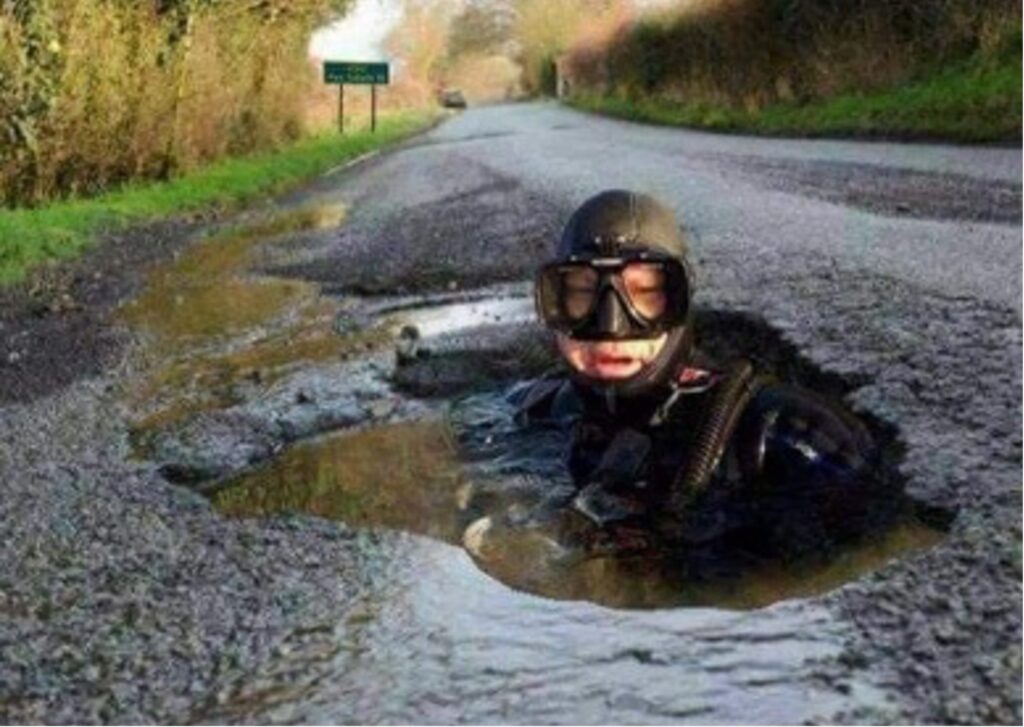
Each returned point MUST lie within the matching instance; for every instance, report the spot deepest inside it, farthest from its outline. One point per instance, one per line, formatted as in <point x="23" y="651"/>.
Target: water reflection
<point x="530" y="560"/>
<point x="475" y="479"/>
<point x="402" y="476"/>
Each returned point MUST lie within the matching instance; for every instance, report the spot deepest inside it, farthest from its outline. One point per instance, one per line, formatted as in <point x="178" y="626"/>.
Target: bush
<point x="98" y="92"/>
<point x="748" y="54"/>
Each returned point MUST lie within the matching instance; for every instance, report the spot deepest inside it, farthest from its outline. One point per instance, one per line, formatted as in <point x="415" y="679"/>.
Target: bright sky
<point x="358" y="36"/>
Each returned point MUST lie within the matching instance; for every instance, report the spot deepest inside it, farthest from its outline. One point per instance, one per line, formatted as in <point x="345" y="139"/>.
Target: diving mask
<point x="636" y="294"/>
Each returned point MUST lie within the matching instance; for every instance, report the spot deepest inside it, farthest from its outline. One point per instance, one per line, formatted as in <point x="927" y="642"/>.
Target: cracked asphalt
<point x="896" y="266"/>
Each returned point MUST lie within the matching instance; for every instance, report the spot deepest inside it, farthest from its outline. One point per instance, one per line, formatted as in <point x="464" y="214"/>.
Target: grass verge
<point x="29" y="237"/>
<point x="974" y="101"/>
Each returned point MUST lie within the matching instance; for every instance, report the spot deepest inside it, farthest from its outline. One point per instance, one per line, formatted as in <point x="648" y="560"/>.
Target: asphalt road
<point x="503" y="178"/>
<point x="894" y="266"/>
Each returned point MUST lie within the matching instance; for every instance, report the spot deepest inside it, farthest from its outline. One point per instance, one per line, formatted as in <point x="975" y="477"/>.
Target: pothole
<point x="468" y="475"/>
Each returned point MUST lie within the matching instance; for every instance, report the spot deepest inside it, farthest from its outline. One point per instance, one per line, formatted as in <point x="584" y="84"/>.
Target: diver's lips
<point x="612" y="367"/>
<point x="609" y="360"/>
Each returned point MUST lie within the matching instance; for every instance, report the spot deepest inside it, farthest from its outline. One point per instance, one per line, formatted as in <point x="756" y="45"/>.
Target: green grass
<point x="64" y="229"/>
<point x="974" y="101"/>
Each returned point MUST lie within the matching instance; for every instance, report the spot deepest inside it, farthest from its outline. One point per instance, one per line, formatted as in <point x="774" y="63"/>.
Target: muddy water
<point x="409" y="476"/>
<point x="403" y="476"/>
<point x="215" y="330"/>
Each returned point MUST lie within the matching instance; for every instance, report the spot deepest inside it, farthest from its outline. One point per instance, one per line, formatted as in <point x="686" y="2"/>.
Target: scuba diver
<point x="662" y="440"/>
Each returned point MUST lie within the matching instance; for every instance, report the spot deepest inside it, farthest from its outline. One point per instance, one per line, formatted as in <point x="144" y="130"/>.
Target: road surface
<point x="895" y="267"/>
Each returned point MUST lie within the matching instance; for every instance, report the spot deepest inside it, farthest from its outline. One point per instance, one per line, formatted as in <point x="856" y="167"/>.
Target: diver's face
<point x="610" y="360"/>
<point x="613" y="360"/>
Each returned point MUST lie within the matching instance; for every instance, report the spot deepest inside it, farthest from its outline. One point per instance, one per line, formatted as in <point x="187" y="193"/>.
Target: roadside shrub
<point x="747" y="54"/>
<point x="545" y="29"/>
<point x="94" y="93"/>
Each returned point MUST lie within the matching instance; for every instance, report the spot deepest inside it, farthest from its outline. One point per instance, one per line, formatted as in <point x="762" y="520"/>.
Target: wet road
<point x="893" y="267"/>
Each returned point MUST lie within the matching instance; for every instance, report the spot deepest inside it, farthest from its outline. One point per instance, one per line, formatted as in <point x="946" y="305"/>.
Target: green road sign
<point x="356" y="73"/>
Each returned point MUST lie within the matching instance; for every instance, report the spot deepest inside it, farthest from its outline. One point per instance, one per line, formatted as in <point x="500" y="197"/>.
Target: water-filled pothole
<point x="475" y="478"/>
<point x="411" y="477"/>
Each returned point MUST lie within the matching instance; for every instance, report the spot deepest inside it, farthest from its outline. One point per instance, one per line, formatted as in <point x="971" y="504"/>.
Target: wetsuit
<point x="683" y="446"/>
<point x="792" y="466"/>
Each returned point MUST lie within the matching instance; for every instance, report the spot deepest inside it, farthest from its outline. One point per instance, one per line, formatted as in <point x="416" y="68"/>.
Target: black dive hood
<point x="622" y="223"/>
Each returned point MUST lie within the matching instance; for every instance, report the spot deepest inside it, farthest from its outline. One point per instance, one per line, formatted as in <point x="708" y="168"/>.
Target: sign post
<point x="360" y="74"/>
<point x="341" y="108"/>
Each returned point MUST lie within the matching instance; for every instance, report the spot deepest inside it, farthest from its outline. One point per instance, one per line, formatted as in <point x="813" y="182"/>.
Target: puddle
<point x="466" y="604"/>
<point x="468" y="483"/>
<point x="206" y="294"/>
<point x="455" y="317"/>
<point x="323" y="330"/>
<point x="413" y="477"/>
<point x="432" y="639"/>
<point x="215" y="332"/>
<point x="404" y="476"/>
<point x="196" y="381"/>
<point x="475" y="479"/>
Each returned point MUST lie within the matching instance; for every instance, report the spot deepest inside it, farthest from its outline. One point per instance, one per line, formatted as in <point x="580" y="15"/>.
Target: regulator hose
<point x="723" y="416"/>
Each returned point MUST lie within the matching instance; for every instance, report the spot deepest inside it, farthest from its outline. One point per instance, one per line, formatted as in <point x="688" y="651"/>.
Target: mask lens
<point x="645" y="286"/>
<point x="579" y="291"/>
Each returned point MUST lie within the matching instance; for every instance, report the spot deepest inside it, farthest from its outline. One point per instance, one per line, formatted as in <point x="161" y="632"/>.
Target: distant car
<point x="452" y="98"/>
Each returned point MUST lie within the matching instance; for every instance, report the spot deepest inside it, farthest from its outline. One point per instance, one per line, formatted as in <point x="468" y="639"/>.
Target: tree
<point x="420" y="41"/>
<point x="545" y="29"/>
<point x="482" y="28"/>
